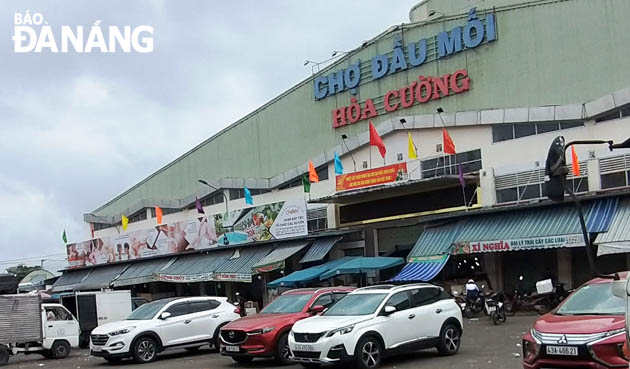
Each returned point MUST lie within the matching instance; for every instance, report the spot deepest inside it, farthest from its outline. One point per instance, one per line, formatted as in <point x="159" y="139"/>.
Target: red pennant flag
<point x="449" y="146"/>
<point x="312" y="173"/>
<point x="158" y="214"/>
<point x="575" y="163"/>
<point x="375" y="140"/>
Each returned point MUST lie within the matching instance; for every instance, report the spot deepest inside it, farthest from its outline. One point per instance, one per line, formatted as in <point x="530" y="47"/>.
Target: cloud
<point x="78" y="129"/>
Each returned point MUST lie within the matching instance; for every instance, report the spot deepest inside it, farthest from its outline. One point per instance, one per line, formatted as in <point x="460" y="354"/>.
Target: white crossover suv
<point x="372" y="322"/>
<point x="181" y="322"/>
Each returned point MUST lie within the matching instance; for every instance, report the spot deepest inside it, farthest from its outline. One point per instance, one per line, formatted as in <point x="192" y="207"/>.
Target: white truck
<point x="27" y="326"/>
<point x="93" y="309"/>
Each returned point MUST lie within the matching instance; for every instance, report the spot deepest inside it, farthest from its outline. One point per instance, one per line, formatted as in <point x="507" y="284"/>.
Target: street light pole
<point x="226" y="241"/>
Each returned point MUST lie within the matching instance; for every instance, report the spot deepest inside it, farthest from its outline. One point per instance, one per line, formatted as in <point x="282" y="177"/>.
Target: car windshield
<point x="287" y="304"/>
<point x="148" y="310"/>
<point x="593" y="299"/>
<point x="356" y="304"/>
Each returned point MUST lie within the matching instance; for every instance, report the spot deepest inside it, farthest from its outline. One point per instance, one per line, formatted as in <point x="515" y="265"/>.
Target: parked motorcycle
<point x="540" y="303"/>
<point x="495" y="307"/>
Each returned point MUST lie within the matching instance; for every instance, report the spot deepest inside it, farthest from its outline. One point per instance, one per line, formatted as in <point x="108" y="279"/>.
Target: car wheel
<point x="144" y="350"/>
<point x="113" y="359"/>
<point x="368" y="353"/>
<point x="242" y="359"/>
<point x="450" y="338"/>
<point x="60" y="350"/>
<point x="282" y="350"/>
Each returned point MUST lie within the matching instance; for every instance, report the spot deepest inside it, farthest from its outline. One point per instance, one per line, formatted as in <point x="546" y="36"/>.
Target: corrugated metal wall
<point x="20" y="318"/>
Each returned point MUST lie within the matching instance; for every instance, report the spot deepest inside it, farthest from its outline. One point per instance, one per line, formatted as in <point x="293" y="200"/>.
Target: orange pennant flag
<point x="312" y="174"/>
<point x="575" y="163"/>
<point x="158" y="214"/>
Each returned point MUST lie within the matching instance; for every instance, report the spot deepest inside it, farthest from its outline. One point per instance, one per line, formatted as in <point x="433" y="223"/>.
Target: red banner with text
<point x="372" y="177"/>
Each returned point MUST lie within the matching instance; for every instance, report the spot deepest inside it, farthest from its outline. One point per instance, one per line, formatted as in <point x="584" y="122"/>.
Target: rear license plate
<point x="97" y="349"/>
<point x="304" y="348"/>
<point x="492" y="309"/>
<point x="232" y="348"/>
<point x="562" y="350"/>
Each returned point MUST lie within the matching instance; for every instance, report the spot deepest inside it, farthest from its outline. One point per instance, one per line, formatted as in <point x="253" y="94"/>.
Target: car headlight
<point x="343" y="330"/>
<point x="260" y="331"/>
<point x="121" y="331"/>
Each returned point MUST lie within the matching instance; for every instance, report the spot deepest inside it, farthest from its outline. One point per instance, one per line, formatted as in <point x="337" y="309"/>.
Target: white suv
<point x="189" y="322"/>
<point x="375" y="321"/>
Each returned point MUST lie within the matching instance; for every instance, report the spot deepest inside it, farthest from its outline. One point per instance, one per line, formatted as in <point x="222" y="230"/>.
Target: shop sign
<point x="428" y="259"/>
<point x="467" y="36"/>
<point x="372" y="177"/>
<point x="573" y="240"/>
<point x="232" y="277"/>
<point x="192" y="278"/>
<point x="278" y="220"/>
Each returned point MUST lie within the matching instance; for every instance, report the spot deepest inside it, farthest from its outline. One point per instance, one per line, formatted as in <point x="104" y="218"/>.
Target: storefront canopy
<point x="617" y="239"/>
<point x="194" y="267"/>
<point x="319" y="249"/>
<point x="143" y="271"/>
<point x="362" y="264"/>
<point x="68" y="280"/>
<point x="524" y="229"/>
<point x="421" y="271"/>
<point x="101" y="277"/>
<point x="275" y="259"/>
<point x="307" y="275"/>
<point x="238" y="268"/>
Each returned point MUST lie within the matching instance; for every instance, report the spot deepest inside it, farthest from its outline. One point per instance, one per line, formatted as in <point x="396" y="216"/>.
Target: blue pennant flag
<point x="248" y="196"/>
<point x="338" y="165"/>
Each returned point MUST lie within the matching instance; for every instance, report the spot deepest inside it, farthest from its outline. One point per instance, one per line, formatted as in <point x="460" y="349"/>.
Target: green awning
<point x="143" y="271"/>
<point x="435" y="240"/>
<point x="362" y="264"/>
<point x="194" y="267"/>
<point x="304" y="276"/>
<point x="275" y="259"/>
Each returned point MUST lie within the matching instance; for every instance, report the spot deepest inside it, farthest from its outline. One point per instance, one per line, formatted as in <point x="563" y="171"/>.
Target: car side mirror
<point x="165" y="315"/>
<point x="389" y="310"/>
<point x="620" y="288"/>
<point x="317" y="309"/>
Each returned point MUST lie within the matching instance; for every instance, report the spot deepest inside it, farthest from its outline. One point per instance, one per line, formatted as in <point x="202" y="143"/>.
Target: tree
<point x="21" y="270"/>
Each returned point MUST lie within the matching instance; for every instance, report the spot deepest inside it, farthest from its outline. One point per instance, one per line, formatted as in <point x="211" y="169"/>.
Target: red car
<point x="586" y="330"/>
<point x="266" y="334"/>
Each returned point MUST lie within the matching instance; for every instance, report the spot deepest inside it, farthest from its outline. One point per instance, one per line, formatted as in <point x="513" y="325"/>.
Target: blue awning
<point x="601" y="215"/>
<point x="363" y="264"/>
<point x="420" y="271"/>
<point x="306" y="275"/>
<point x="319" y="249"/>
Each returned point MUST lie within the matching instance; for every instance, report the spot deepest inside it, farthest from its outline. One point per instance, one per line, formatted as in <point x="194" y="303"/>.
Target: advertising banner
<point x="573" y="240"/>
<point x="261" y="223"/>
<point x="372" y="177"/>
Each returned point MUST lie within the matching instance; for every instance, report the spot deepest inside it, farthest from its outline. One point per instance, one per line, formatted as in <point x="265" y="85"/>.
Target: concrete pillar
<point x="594" y="180"/>
<point x="493" y="264"/>
<point x="487" y="193"/>
<point x="332" y="215"/>
<point x="371" y="241"/>
<point x="565" y="272"/>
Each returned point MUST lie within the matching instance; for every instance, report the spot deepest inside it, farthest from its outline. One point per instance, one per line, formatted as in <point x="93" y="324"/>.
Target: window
<point x="400" y="301"/>
<point x="99" y="226"/>
<point x="502" y="132"/>
<point x="57" y="313"/>
<point x="532" y="191"/>
<point x="236" y="193"/>
<point x="198" y="306"/>
<point x="179" y="309"/>
<point x="614" y="180"/>
<point x="165" y="211"/>
<point x="324" y="300"/>
<point x="214" y="198"/>
<point x="610" y="116"/>
<point x="141" y="215"/>
<point x="295" y="183"/>
<point x="524" y="129"/>
<point x="568" y="125"/>
<point x="528" y="185"/>
<point x="424" y="296"/>
<point x="315" y="225"/>
<point x="507" y="195"/>
<point x="449" y="165"/>
<point x="339" y="295"/>
<point x="547" y="127"/>
<point x="322" y="173"/>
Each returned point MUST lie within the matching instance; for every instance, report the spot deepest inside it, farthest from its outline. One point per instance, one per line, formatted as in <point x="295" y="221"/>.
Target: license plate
<point x="492" y="309"/>
<point x="304" y="348"/>
<point x="97" y="349"/>
<point x="562" y="350"/>
<point x="232" y="348"/>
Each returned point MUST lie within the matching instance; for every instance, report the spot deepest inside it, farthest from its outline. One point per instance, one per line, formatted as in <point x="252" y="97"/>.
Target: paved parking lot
<point x="483" y="346"/>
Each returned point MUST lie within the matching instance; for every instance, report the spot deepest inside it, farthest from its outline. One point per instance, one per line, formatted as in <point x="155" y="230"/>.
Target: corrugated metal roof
<point x="143" y="271"/>
<point x="68" y="280"/>
<point x="362" y="264"/>
<point x="248" y="256"/>
<point x="198" y="263"/>
<point x="281" y="253"/>
<point x="101" y="277"/>
<point x="435" y="240"/>
<point x="319" y="249"/>
<point x="422" y="271"/>
<point x="619" y="231"/>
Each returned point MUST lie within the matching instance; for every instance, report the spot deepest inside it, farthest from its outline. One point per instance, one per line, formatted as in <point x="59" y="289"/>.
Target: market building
<point x="502" y="80"/>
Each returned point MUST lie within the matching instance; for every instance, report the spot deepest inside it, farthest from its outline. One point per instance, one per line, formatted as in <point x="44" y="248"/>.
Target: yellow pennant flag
<point x="125" y="221"/>
<point x="412" y="148"/>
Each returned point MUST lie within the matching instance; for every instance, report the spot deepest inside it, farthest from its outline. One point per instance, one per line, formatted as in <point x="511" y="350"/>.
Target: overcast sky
<point x="78" y="129"/>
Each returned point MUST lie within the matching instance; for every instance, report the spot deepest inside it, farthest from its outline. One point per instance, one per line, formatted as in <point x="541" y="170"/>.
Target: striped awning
<point x="319" y="249"/>
<point x="617" y="239"/>
<point x="69" y="279"/>
<point x="435" y="240"/>
<point x="275" y="259"/>
<point x="143" y="271"/>
<point x="362" y="264"/>
<point x="421" y="271"/>
<point x="238" y="268"/>
<point x="101" y="277"/>
<point x="194" y="267"/>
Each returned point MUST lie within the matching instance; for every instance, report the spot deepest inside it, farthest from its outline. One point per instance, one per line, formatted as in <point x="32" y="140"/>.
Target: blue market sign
<point x="460" y="38"/>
